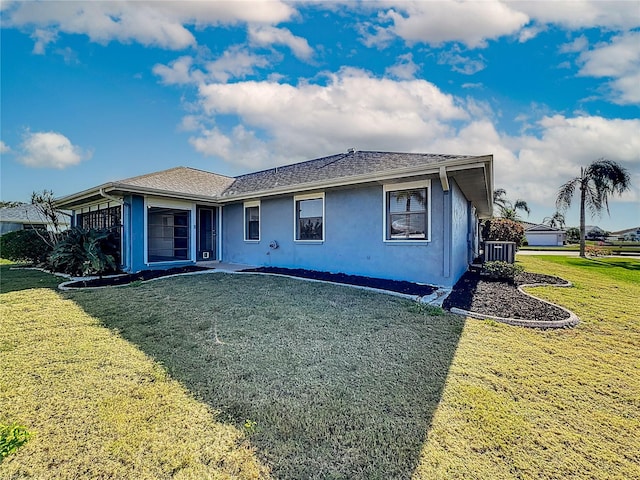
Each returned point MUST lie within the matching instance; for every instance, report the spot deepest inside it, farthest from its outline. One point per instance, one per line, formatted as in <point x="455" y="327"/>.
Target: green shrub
<point x="84" y="252"/>
<point x="502" y="270"/>
<point x="573" y="235"/>
<point x="503" y="230"/>
<point x="24" y="246"/>
<point x="12" y="437"/>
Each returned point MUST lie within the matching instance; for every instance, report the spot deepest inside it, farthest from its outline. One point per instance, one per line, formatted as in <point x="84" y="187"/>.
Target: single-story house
<point x="25" y="216"/>
<point x="399" y="216"/>
<point x="627" y="235"/>
<point x="539" y="235"/>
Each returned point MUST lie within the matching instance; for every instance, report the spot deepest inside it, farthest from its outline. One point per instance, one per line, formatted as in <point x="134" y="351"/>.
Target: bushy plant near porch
<point x="84" y="252"/>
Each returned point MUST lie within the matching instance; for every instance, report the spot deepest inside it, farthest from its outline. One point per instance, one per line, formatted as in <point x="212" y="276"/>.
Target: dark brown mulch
<point x="502" y="299"/>
<point x="398" y="286"/>
<point x="134" y="277"/>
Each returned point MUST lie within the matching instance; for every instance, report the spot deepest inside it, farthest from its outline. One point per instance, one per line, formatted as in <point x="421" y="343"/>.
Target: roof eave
<point x="116" y="188"/>
<point x="485" y="162"/>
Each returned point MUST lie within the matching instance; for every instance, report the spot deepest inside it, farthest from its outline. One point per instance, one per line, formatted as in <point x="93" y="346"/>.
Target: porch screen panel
<point x="168" y="234"/>
<point x="105" y="219"/>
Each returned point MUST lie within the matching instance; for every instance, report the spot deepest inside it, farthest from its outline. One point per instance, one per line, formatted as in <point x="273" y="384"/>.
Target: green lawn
<point x="229" y="375"/>
<point x="615" y="248"/>
<point x="14" y="278"/>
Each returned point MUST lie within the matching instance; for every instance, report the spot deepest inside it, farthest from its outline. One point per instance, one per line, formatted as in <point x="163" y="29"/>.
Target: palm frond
<point x="522" y="205"/>
<point x="565" y="194"/>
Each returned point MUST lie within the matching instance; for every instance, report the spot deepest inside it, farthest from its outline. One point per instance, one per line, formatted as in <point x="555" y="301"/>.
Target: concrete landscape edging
<point x="436" y="298"/>
<point x="572" y="321"/>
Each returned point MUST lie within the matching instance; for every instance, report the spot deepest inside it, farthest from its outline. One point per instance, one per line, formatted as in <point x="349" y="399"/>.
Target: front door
<point x="206" y="233"/>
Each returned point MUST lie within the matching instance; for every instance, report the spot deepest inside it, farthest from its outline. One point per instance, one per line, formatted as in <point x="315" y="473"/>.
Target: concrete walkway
<point x="572" y="253"/>
<point x="565" y="253"/>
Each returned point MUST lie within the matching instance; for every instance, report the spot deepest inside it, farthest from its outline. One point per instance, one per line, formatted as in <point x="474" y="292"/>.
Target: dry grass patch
<point x="98" y="407"/>
<point x="531" y="404"/>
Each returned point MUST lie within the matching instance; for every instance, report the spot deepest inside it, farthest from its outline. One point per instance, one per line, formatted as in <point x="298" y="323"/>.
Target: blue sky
<point x="100" y="91"/>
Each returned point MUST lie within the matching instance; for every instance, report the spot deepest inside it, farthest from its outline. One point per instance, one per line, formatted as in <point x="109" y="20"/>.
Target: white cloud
<point x="263" y="35"/>
<point x="178" y="72"/>
<point x="461" y="64"/>
<point x="528" y="33"/>
<point x="353" y="108"/>
<point x="4" y="148"/>
<point x="578" y="14"/>
<point x="42" y="38"/>
<point x="579" y="44"/>
<point x="619" y="60"/>
<point x="280" y="123"/>
<point x="236" y="62"/>
<point x="160" y="24"/>
<point x="618" y="57"/>
<point x="404" y="69"/>
<point x="471" y="23"/>
<point x="541" y="163"/>
<point x="52" y="150"/>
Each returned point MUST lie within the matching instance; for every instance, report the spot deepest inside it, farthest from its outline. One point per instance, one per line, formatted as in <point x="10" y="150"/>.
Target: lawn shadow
<point x="626" y="264"/>
<point x="14" y="279"/>
<point x="328" y="381"/>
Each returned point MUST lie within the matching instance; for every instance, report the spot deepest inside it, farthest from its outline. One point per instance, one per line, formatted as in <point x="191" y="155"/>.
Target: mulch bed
<point x="472" y="292"/>
<point x="398" y="286"/>
<point x="502" y="299"/>
<point x="134" y="277"/>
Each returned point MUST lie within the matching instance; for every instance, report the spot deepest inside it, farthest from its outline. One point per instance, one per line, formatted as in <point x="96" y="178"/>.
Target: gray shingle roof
<point x="532" y="227"/>
<point x="182" y="180"/>
<point x="26" y="213"/>
<point x="334" y="167"/>
<point x="342" y="169"/>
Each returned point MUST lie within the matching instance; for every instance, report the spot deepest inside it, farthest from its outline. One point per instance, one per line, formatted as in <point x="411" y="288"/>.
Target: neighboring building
<point x="628" y="235"/>
<point x="593" y="232"/>
<point x="25" y="216"/>
<point x="539" y="235"/>
<point x="401" y="216"/>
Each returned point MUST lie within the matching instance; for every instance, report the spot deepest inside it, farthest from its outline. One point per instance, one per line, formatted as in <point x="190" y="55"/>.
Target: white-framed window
<point x="309" y="217"/>
<point x="252" y="221"/>
<point x="407" y="212"/>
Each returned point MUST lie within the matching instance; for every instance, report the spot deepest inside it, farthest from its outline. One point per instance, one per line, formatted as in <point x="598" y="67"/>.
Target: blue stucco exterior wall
<point x="134" y="233"/>
<point x="354" y="238"/>
<point x="460" y="229"/>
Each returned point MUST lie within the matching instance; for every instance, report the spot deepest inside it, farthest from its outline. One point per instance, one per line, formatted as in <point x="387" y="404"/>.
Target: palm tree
<point x="596" y="182"/>
<point x="555" y="221"/>
<point x="508" y="209"/>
